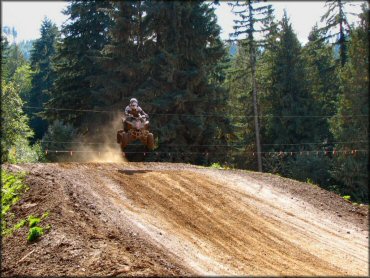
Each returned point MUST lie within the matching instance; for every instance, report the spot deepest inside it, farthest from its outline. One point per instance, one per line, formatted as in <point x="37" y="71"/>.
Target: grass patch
<point x="347" y="197"/>
<point x="216" y="165"/>
<point x="20" y="224"/>
<point x="11" y="190"/>
<point x="34" y="233"/>
<point x="33" y="221"/>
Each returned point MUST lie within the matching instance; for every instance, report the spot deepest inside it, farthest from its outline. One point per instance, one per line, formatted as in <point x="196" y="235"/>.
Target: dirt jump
<point x="119" y="219"/>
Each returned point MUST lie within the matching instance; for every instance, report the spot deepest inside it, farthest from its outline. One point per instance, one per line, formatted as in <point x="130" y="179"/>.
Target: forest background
<point x="258" y="101"/>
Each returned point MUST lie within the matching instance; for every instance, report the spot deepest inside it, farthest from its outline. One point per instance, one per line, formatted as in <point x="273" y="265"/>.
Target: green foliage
<point x="315" y="168"/>
<point x="216" y="165"/>
<point x="4" y="57"/>
<point x="178" y="80"/>
<point x="33" y="221"/>
<point x="43" y="77"/>
<point x="12" y="188"/>
<point x="25" y="47"/>
<point x="14" y="60"/>
<point x="289" y="95"/>
<point x="76" y="68"/>
<point x="34" y="233"/>
<point x="323" y="81"/>
<point x="58" y="132"/>
<point x="351" y="172"/>
<point x="46" y="214"/>
<point x="20" y="224"/>
<point x="335" y="19"/>
<point x="14" y="122"/>
<point x="22" y="152"/>
<point x="22" y="80"/>
<point x="305" y="82"/>
<point x="347" y="197"/>
<point x="16" y="84"/>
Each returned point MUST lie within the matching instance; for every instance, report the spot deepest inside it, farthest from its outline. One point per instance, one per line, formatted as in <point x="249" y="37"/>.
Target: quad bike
<point x="135" y="128"/>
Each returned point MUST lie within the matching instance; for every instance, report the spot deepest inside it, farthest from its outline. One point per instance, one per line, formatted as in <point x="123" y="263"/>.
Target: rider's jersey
<point x="136" y="112"/>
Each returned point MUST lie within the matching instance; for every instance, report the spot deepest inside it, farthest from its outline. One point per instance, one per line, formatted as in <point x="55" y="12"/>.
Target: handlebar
<point x="138" y="117"/>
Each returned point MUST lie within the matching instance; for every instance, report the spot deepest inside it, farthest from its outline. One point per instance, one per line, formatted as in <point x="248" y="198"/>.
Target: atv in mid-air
<point x="135" y="128"/>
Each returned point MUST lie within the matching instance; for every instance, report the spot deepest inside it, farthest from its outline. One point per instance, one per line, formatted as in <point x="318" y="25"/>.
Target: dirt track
<point x="176" y="219"/>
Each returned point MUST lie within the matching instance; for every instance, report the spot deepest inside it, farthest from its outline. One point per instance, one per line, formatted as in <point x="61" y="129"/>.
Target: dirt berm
<point x="176" y="219"/>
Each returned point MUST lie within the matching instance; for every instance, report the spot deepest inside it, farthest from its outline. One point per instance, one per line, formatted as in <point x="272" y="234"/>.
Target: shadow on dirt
<point x="132" y="172"/>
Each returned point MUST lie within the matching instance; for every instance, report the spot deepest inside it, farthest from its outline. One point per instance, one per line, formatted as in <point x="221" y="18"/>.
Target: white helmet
<point x="134" y="100"/>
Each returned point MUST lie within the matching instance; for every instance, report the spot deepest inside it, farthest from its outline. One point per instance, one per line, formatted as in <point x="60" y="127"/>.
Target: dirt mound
<point x="175" y="219"/>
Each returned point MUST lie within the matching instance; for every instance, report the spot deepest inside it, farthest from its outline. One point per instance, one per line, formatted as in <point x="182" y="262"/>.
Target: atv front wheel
<point x="125" y="140"/>
<point x="150" y="141"/>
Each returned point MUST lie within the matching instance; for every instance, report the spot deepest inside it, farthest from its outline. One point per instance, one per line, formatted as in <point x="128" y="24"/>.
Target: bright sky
<point x="26" y="16"/>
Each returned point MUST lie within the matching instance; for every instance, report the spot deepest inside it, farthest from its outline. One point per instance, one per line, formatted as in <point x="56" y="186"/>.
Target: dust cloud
<point x="99" y="143"/>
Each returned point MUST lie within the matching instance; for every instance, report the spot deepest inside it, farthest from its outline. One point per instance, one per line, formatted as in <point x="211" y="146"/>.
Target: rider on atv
<point x="135" y="127"/>
<point x="134" y="110"/>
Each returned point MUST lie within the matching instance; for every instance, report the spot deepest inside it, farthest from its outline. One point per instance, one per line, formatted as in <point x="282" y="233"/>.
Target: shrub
<point x="34" y="233"/>
<point x="33" y="221"/>
<point x="12" y="187"/>
<point x="216" y="165"/>
<point x="347" y="197"/>
<point x="22" y="152"/>
<point x="58" y="132"/>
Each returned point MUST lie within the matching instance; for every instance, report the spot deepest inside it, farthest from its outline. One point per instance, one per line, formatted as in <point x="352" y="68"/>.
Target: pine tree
<point x="240" y="104"/>
<point x="250" y="15"/>
<point x="121" y="55"/>
<point x="76" y="63"/>
<point x="185" y="51"/>
<point x="4" y="57"/>
<point x="15" y="60"/>
<point x="291" y="102"/>
<point x="322" y="79"/>
<point x="335" y="17"/>
<point x="351" y="122"/>
<point x="43" y="78"/>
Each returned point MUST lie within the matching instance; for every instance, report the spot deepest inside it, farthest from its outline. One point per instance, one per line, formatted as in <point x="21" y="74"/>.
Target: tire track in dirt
<point x="244" y="240"/>
<point x="175" y="219"/>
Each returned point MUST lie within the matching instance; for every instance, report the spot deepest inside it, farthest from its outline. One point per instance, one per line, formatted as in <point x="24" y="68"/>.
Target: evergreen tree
<point x="43" y="78"/>
<point x="351" y="171"/>
<point x="186" y="49"/>
<point x="336" y="18"/>
<point x="4" y="57"/>
<point x="322" y="79"/>
<point x="291" y="102"/>
<point x="250" y="15"/>
<point x="76" y="65"/>
<point x="240" y="106"/>
<point x="121" y="56"/>
<point x="26" y="48"/>
<point x="14" y="61"/>
<point x="15" y="132"/>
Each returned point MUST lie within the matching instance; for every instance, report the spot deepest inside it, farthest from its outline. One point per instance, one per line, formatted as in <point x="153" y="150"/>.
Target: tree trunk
<point x="255" y="110"/>
<point x="252" y="53"/>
